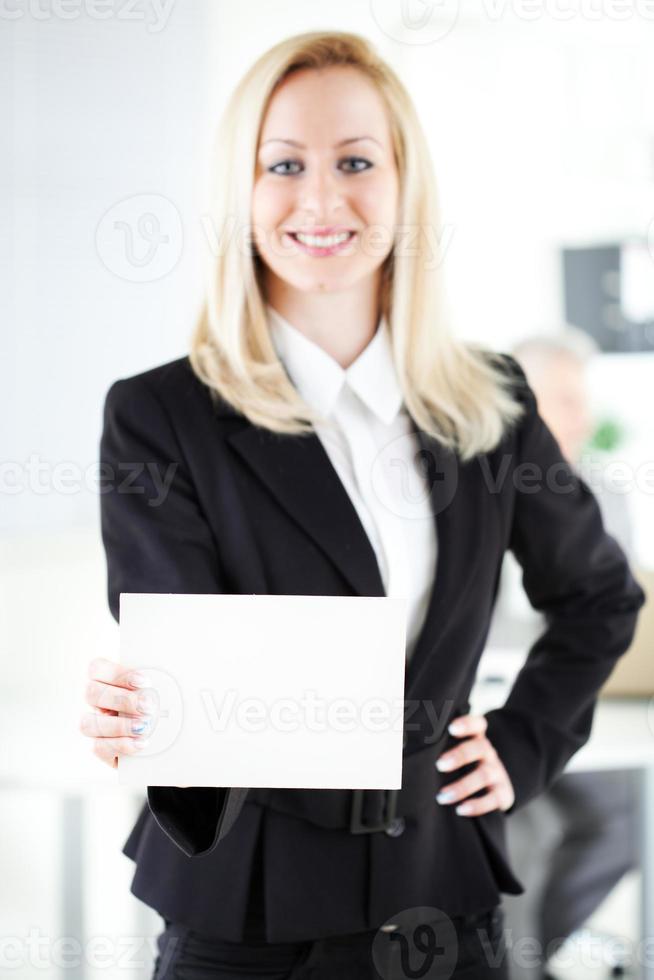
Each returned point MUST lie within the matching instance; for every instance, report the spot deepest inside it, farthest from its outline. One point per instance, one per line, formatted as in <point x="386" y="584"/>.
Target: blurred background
<point x="540" y="121"/>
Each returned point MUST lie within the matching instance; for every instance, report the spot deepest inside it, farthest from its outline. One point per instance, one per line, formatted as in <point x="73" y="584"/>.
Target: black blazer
<point x="197" y="499"/>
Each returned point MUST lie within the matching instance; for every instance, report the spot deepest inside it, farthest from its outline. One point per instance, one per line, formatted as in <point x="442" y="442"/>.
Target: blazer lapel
<point x="457" y="513"/>
<point x="299" y="473"/>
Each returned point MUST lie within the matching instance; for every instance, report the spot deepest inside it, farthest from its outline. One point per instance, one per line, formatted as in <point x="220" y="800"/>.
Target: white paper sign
<point x="268" y="690"/>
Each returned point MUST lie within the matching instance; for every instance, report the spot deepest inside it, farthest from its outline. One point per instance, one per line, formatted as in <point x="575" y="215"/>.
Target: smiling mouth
<point x="325" y="243"/>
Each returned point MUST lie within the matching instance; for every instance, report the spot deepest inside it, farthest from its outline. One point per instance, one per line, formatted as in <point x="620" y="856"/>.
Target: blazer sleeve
<point x="577" y="575"/>
<point x="157" y="539"/>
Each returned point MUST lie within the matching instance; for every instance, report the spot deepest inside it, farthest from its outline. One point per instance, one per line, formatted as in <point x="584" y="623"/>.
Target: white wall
<point x="95" y="112"/>
<point x="100" y="111"/>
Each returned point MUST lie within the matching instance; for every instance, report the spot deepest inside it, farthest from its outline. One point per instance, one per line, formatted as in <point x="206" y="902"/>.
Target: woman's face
<point x="325" y="166"/>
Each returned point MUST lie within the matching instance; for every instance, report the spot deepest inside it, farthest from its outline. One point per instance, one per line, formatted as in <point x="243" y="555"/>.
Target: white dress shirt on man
<point x="371" y="444"/>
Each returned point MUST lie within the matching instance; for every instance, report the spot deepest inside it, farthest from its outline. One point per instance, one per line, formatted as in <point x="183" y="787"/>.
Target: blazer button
<point x="396" y="827"/>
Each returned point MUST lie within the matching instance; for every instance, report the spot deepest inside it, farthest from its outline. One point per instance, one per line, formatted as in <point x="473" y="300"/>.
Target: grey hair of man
<point x="538" y="351"/>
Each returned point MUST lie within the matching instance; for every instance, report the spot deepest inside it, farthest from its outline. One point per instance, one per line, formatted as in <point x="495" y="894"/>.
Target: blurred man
<point x="571" y="846"/>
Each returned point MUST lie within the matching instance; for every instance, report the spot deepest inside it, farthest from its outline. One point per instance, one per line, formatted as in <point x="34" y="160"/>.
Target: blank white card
<point x="268" y="690"/>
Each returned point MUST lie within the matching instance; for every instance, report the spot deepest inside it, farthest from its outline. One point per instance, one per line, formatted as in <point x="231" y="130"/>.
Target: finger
<point x="107" y="711"/>
<point x="482" y="777"/>
<point x="468" y="725"/>
<point x="505" y="792"/>
<point x="480" y="804"/>
<point x="100" y="695"/>
<point x="110" y="672"/>
<point x="469" y="751"/>
<point x="109" y="725"/>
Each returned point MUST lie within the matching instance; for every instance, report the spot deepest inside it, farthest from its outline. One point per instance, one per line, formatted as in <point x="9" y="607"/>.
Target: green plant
<point x="607" y="437"/>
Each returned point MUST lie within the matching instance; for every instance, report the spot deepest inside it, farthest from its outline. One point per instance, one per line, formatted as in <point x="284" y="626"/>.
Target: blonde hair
<point x="457" y="392"/>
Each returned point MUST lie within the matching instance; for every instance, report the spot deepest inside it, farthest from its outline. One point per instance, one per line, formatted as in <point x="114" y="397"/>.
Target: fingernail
<point x="146" y="702"/>
<point x="138" y="727"/>
<point x="138" y="679"/>
<point x="455" y="728"/>
<point x="140" y="743"/>
<point x="464" y="809"/>
<point x="444" y="764"/>
<point x="445" y="796"/>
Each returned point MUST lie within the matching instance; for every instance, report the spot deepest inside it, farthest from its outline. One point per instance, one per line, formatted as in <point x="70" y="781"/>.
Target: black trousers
<point x="424" y="944"/>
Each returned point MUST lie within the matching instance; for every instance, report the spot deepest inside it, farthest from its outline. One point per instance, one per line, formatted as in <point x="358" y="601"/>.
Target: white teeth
<point x="322" y="241"/>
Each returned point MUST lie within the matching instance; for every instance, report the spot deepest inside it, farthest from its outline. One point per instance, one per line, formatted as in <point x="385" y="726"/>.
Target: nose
<point x="320" y="193"/>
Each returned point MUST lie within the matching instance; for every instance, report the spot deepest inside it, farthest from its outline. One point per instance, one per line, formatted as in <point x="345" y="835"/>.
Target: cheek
<point x="269" y="204"/>
<point x="376" y="200"/>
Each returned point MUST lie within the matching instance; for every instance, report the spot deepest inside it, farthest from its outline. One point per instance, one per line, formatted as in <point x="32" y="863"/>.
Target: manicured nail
<point x="445" y="796"/>
<point x="143" y="724"/>
<point x="443" y="765"/>
<point x="139" y="679"/>
<point x="464" y="809"/>
<point x="146" y="702"/>
<point x="456" y="728"/>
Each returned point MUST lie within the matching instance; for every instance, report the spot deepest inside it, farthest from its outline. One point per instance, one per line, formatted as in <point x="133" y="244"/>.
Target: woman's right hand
<point x="111" y="689"/>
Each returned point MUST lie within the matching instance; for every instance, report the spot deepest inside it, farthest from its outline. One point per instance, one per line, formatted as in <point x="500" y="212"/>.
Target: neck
<point x="342" y="323"/>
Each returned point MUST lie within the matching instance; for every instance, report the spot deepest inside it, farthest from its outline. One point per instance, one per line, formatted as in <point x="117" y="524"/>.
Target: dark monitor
<point x="609" y="293"/>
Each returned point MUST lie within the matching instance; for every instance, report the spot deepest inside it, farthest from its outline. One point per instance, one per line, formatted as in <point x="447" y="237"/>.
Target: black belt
<point x="378" y="807"/>
<point x="362" y="811"/>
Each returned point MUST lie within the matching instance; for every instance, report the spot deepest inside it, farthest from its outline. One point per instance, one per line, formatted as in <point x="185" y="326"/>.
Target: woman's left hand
<point x="489" y="773"/>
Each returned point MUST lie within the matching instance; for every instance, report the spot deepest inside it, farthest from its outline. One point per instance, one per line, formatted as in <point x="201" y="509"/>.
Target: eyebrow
<point x="300" y="146"/>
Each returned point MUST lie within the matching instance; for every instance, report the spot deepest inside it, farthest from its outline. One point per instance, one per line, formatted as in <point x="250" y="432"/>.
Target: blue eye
<point x="367" y="163"/>
<point x="283" y="163"/>
<point x="291" y="163"/>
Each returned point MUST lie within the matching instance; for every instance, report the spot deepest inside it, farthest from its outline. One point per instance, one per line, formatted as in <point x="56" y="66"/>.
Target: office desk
<point x="622" y="738"/>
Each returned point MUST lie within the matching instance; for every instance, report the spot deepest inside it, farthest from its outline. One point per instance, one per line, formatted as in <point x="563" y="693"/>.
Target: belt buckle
<point x="357" y="826"/>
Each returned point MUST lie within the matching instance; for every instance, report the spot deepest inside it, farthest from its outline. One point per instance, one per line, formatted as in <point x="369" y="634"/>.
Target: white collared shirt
<point x="371" y="444"/>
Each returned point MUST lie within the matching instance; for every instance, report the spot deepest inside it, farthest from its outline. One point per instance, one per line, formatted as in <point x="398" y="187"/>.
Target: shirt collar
<point x="319" y="378"/>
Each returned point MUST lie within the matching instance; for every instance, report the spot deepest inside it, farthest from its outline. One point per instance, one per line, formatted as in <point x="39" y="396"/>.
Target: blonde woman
<point x="329" y="435"/>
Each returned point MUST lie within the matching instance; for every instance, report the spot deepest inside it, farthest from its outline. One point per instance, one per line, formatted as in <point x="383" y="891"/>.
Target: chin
<point x="333" y="283"/>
